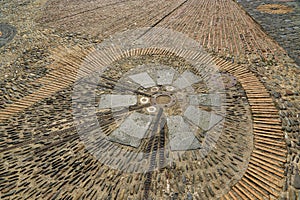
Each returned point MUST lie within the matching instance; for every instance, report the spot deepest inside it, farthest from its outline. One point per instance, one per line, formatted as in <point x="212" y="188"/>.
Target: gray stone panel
<point x="143" y="79"/>
<point x="180" y="135"/>
<point x="132" y="130"/>
<point x="116" y="101"/>
<point x="165" y="76"/>
<point x="205" y="100"/>
<point x="186" y="79"/>
<point x="203" y="119"/>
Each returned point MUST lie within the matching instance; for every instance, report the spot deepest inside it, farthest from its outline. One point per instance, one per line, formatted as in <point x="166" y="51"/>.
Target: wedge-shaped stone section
<point x="116" y="101"/>
<point x="180" y="135"/>
<point x="186" y="79"/>
<point x="201" y="118"/>
<point x="143" y="79"/>
<point x="132" y="130"/>
<point x="165" y="76"/>
<point x="205" y="100"/>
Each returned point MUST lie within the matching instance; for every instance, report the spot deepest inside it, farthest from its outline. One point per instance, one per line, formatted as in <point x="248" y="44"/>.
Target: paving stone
<point x="180" y="135"/>
<point x="143" y="79"/>
<point x="205" y="100"/>
<point x="203" y="119"/>
<point x="132" y="130"/>
<point x="117" y="101"/>
<point x="186" y="79"/>
<point x="165" y="77"/>
<point x="297" y="180"/>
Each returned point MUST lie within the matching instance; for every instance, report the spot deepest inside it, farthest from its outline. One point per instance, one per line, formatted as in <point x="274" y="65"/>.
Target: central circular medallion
<point x="163" y="99"/>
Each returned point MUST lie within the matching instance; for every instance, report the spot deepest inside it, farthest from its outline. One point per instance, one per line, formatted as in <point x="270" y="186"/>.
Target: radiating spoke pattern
<point x="168" y="90"/>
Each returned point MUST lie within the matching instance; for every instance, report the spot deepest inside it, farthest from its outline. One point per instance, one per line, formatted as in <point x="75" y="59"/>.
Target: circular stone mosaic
<point x="7" y="33"/>
<point x="163" y="115"/>
<point x="274" y="8"/>
<point x="165" y="111"/>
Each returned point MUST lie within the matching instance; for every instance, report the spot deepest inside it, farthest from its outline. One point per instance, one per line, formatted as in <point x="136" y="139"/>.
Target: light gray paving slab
<point x="165" y="76"/>
<point x="180" y="135"/>
<point x="116" y="101"/>
<point x="186" y="79"/>
<point x="132" y="130"/>
<point x="143" y="79"/>
<point x="201" y="118"/>
<point x="205" y="100"/>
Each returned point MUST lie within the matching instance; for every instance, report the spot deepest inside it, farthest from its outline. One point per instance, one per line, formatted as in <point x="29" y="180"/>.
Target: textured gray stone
<point x="165" y="77"/>
<point x="143" y="79"/>
<point x="297" y="180"/>
<point x="180" y="135"/>
<point x="203" y="119"/>
<point x="132" y="130"/>
<point x="205" y="100"/>
<point x="116" y="101"/>
<point x="186" y="79"/>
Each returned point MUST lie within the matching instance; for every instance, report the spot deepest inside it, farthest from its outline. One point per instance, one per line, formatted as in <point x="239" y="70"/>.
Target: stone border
<point x="264" y="177"/>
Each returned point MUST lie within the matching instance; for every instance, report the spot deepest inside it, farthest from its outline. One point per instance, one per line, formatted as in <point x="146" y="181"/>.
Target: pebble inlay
<point x="7" y="33"/>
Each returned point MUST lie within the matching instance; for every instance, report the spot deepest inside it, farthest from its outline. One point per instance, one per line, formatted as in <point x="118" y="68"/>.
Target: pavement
<point x="150" y="99"/>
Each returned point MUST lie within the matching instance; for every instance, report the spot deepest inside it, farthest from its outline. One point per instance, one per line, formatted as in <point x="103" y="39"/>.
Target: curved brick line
<point x="263" y="178"/>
